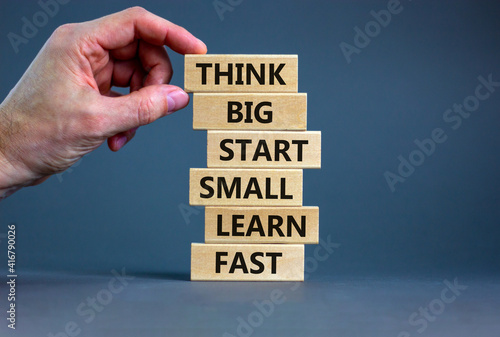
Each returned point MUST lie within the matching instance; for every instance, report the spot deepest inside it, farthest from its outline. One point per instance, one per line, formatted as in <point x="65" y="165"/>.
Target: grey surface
<point x="168" y="305"/>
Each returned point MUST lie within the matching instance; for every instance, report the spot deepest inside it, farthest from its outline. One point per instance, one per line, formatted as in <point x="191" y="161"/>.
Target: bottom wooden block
<point x="247" y="262"/>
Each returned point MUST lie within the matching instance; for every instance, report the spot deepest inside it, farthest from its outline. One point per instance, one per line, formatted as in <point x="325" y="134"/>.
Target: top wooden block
<point x="241" y="73"/>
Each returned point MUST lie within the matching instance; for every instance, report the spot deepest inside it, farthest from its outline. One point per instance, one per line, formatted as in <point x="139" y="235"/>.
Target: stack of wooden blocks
<point x="257" y="146"/>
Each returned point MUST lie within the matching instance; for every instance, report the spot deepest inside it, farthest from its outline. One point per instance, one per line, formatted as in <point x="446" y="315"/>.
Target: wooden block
<point x="241" y="73"/>
<point x="245" y="187"/>
<point x="264" y="149"/>
<point x="254" y="262"/>
<point x="262" y="225"/>
<point x="230" y="111"/>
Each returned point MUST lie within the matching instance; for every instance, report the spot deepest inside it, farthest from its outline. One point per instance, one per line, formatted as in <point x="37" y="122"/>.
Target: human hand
<point x="63" y="106"/>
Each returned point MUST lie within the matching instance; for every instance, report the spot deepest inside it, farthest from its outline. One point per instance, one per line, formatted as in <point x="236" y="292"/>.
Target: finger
<point x="118" y="141"/>
<point x="156" y="62"/>
<point x="128" y="73"/>
<point x="103" y="78"/>
<point x="127" y="52"/>
<point x="139" y="108"/>
<point x="154" y="67"/>
<point x="121" y="29"/>
<point x="120" y="74"/>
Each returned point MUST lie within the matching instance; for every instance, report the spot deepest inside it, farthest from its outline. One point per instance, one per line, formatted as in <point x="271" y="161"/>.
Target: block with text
<point x="250" y="111"/>
<point x="264" y="149"/>
<point x="251" y="262"/>
<point x="262" y="225"/>
<point x="241" y="73"/>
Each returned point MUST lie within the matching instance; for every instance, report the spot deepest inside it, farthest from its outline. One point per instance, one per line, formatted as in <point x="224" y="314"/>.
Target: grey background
<point x="121" y="210"/>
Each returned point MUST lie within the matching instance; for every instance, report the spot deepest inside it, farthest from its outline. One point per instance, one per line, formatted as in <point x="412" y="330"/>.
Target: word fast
<point x="240" y="263"/>
<point x="240" y="69"/>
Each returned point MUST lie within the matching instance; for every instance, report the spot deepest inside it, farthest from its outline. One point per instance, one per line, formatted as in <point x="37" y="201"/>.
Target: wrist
<point x="10" y="180"/>
<point x="7" y="185"/>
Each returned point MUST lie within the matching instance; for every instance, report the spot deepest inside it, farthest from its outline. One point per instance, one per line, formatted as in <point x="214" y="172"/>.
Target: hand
<point x="63" y="106"/>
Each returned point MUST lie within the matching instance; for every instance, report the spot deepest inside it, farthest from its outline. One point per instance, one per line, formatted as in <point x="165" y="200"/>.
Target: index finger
<point x="120" y="29"/>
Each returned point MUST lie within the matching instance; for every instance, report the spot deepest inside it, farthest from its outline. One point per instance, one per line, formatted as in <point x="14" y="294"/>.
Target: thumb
<point x="142" y="107"/>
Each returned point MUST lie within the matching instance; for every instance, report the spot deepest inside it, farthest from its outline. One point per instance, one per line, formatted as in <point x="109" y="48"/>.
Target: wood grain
<point x="245" y="187"/>
<point x="252" y="262"/>
<point x="277" y="73"/>
<point x="264" y="149"/>
<point x="250" y="111"/>
<point x="262" y="225"/>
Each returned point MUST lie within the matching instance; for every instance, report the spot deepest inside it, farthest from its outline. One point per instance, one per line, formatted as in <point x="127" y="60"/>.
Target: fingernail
<point x="177" y="99"/>
<point x="120" y="142"/>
